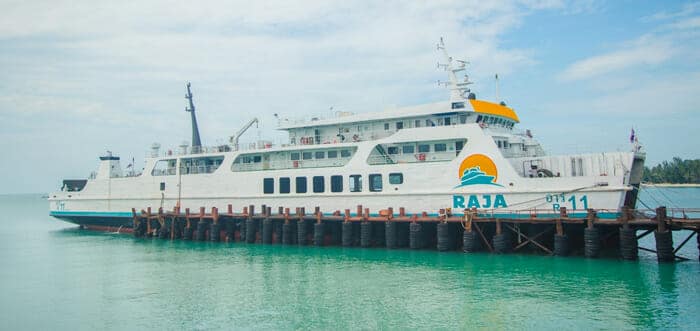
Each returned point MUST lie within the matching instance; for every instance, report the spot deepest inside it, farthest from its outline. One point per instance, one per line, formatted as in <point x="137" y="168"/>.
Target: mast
<point x="196" y="143"/>
<point x="458" y="89"/>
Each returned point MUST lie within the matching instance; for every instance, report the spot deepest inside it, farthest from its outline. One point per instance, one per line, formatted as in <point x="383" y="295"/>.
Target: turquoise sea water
<point x="56" y="277"/>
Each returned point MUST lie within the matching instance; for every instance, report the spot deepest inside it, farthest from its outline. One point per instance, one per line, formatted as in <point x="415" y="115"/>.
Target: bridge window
<point x="355" y="183"/>
<point x="424" y="148"/>
<point x="284" y="185"/>
<point x="307" y="155"/>
<point x="336" y="183"/>
<point x="332" y="154"/>
<point x="301" y="184"/>
<point x="164" y="168"/>
<point x="268" y="185"/>
<point x="201" y="165"/>
<point x="399" y="125"/>
<point x="440" y="147"/>
<point x="392" y="150"/>
<point x="386" y="126"/>
<point x="319" y="184"/>
<point x="294" y="156"/>
<point x="321" y="155"/>
<point x="408" y="149"/>
<point x="345" y="153"/>
<point x="375" y="182"/>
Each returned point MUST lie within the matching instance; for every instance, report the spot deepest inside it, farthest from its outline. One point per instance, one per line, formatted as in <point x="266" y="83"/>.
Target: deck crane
<point x="234" y="138"/>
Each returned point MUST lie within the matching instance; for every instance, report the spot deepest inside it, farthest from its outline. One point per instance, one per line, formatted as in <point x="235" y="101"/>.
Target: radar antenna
<point x="196" y="142"/>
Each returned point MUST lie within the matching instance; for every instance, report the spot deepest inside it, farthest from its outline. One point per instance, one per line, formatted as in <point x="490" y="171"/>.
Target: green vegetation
<point x="676" y="172"/>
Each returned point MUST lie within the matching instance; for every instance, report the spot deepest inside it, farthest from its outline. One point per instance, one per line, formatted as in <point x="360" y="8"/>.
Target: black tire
<point x="561" y="245"/>
<point x="415" y="236"/>
<point x="591" y="242"/>
<point x="318" y="234"/>
<point x="443" y="237"/>
<point x="390" y="234"/>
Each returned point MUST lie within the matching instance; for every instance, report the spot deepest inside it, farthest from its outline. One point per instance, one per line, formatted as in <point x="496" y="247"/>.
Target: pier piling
<point x="416" y="235"/>
<point x="664" y="238"/>
<point x="390" y="234"/>
<point x="591" y="237"/>
<point x="365" y="234"/>
<point x="443" y="243"/>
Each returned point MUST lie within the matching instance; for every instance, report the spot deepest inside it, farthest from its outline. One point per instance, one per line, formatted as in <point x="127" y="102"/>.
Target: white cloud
<point x="647" y="50"/>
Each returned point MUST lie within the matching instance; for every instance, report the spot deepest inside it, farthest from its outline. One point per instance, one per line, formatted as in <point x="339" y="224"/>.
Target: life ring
<point x="420" y="157"/>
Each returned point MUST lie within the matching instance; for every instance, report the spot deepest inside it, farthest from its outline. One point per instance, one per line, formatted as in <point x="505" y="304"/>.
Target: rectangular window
<point x="319" y="184"/>
<point x="294" y="156"/>
<point x="268" y="186"/>
<point x="392" y="150"/>
<point x="345" y="153"/>
<point x="375" y="182"/>
<point x="462" y="119"/>
<point x="408" y="149"/>
<point x="284" y="185"/>
<point x="478" y="119"/>
<point x="162" y="186"/>
<point x="440" y="147"/>
<point x="429" y="122"/>
<point x="418" y="123"/>
<point x="448" y="121"/>
<point x="423" y="148"/>
<point x="332" y="154"/>
<point x="336" y="183"/>
<point x="307" y="155"/>
<point x="396" y="178"/>
<point x="320" y="155"/>
<point x="457" y="105"/>
<point x="355" y="183"/>
<point x="386" y="126"/>
<point x="399" y="125"/>
<point x="301" y="184"/>
<point x="257" y="158"/>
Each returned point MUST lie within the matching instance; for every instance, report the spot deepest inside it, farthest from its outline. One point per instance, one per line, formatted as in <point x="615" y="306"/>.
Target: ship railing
<point x="206" y="150"/>
<point x="675" y="213"/>
<point x="198" y="169"/>
<point x="287" y="164"/>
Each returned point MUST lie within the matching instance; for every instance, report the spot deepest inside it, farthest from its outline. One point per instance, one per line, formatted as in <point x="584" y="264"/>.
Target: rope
<point x="544" y="203"/>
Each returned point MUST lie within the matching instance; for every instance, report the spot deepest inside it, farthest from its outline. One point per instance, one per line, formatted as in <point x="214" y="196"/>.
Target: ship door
<point x="266" y="161"/>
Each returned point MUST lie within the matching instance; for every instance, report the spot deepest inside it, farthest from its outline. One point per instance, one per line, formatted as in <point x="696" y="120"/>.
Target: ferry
<point x="460" y="154"/>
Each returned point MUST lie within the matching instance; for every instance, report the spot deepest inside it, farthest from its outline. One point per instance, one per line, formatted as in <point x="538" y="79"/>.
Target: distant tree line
<point x="676" y="171"/>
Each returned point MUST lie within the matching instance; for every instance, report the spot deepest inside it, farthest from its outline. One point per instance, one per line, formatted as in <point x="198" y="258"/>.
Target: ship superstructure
<point x="461" y="154"/>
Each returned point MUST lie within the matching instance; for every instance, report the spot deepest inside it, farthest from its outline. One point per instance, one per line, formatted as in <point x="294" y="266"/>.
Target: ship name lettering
<point x="479" y="201"/>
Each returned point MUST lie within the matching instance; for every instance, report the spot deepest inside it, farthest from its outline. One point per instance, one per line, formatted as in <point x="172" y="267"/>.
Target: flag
<point x="632" y="137"/>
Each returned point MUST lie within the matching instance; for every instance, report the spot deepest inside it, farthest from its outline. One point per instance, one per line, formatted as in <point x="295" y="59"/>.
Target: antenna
<point x="196" y="142"/>
<point x="498" y="92"/>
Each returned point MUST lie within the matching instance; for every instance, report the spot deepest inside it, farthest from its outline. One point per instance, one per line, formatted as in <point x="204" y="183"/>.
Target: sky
<point x="78" y="78"/>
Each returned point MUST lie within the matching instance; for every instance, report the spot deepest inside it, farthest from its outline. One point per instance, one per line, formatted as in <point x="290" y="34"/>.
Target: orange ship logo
<point x="477" y="169"/>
